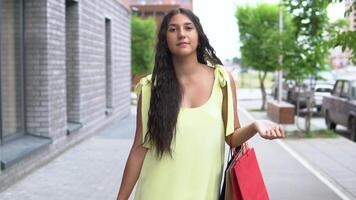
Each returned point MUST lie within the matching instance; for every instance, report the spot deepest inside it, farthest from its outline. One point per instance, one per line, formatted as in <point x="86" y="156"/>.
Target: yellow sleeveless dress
<point x="195" y="170"/>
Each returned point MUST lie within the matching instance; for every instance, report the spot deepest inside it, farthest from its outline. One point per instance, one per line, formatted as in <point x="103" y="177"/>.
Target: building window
<point x="12" y="106"/>
<point x="154" y="1"/>
<point x="149" y="13"/>
<point x="108" y="64"/>
<point x="72" y="66"/>
<point x="185" y="1"/>
<point x="142" y="2"/>
<point x="160" y="13"/>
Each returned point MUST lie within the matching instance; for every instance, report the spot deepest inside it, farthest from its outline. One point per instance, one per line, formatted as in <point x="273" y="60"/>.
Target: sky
<point x="219" y="23"/>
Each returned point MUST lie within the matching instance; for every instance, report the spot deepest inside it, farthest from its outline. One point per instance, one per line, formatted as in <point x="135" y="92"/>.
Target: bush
<point x="143" y="33"/>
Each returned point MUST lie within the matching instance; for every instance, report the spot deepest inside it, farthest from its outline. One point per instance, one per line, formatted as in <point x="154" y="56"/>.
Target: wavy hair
<point x="165" y="91"/>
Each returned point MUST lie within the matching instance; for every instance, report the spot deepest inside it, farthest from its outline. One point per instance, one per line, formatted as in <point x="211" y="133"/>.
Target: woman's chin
<point x="183" y="53"/>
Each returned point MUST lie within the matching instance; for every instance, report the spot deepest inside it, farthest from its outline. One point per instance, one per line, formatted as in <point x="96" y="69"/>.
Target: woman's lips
<point x="182" y="44"/>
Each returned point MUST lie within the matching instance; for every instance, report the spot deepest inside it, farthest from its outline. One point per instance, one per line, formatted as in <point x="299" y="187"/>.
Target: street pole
<point x="280" y="58"/>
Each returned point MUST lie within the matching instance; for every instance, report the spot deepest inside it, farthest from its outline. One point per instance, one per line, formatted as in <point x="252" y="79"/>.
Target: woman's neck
<point x="186" y="66"/>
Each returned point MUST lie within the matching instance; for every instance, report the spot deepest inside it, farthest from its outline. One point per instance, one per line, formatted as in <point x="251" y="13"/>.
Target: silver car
<point x="340" y="107"/>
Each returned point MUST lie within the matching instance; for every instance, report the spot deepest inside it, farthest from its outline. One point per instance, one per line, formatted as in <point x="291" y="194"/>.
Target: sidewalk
<point x="92" y="170"/>
<point x="333" y="159"/>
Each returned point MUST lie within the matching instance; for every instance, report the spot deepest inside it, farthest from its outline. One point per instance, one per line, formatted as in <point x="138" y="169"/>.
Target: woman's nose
<point x="181" y="33"/>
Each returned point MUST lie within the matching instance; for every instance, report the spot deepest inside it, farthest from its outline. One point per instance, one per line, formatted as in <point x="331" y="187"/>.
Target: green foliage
<point x="143" y="33"/>
<point x="320" y="133"/>
<point x="345" y="39"/>
<point x="258" y="27"/>
<point x="261" y="40"/>
<point x="260" y="37"/>
<point x="310" y="21"/>
<point x="250" y="80"/>
<point x="236" y="60"/>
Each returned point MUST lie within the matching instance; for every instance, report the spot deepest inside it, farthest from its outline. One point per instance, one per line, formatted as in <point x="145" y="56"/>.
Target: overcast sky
<point x="219" y="22"/>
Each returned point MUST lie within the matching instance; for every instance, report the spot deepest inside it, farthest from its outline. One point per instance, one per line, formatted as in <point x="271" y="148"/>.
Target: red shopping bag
<point x="236" y="193"/>
<point x="247" y="180"/>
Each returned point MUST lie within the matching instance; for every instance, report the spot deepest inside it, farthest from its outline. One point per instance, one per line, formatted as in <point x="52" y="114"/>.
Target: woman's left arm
<point x="265" y="128"/>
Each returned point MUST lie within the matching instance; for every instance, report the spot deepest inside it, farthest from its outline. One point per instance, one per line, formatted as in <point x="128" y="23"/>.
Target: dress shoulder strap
<point x="222" y="75"/>
<point x="224" y="80"/>
<point x="144" y="82"/>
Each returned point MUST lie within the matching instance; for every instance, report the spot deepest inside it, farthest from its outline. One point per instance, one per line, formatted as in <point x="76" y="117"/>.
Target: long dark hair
<point x="165" y="91"/>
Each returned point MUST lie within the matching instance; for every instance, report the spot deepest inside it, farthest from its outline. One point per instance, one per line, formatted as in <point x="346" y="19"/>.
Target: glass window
<point x="345" y="90"/>
<point x="337" y="89"/>
<point x="108" y="63"/>
<point x="353" y="90"/>
<point x="11" y="68"/>
<point x="326" y="90"/>
<point x="143" y="2"/>
<point x="72" y="63"/>
<point x="154" y="1"/>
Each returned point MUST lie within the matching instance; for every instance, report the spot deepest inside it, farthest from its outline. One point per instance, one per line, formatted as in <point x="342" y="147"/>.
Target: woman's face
<point x="182" y="36"/>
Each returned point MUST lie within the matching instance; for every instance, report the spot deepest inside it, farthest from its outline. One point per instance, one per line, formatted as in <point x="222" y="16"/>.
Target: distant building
<point x="337" y="58"/>
<point x="65" y="73"/>
<point x="156" y="8"/>
<point x="352" y="16"/>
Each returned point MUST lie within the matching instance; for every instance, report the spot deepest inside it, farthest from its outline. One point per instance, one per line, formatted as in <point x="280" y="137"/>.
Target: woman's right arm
<point x="134" y="161"/>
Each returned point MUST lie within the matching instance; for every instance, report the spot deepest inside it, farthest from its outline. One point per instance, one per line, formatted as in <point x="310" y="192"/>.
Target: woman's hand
<point x="268" y="129"/>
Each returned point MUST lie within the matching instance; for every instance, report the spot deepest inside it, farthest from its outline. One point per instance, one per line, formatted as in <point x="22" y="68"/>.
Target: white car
<point x="321" y="91"/>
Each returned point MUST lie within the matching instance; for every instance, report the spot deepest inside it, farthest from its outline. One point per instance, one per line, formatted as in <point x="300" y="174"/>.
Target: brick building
<point x="64" y="72"/>
<point x="156" y="8"/>
<point x="338" y="58"/>
<point x="352" y="17"/>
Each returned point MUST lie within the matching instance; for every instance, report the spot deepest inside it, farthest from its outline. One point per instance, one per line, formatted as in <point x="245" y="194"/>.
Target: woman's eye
<point x="171" y="29"/>
<point x="189" y="28"/>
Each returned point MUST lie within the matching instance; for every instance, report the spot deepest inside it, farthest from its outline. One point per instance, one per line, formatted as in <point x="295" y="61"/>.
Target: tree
<point x="345" y="39"/>
<point x="236" y="60"/>
<point x="310" y="21"/>
<point x="260" y="38"/>
<point x="143" y="33"/>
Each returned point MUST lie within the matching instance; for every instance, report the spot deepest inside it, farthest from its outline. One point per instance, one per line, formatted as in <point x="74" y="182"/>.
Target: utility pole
<point x="280" y="58"/>
<point x="279" y="111"/>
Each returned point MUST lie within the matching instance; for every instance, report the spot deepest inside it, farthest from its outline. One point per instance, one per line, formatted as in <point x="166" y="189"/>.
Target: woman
<point x="186" y="112"/>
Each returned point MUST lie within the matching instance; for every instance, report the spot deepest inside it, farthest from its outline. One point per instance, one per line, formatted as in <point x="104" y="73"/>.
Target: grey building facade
<point x="65" y="73"/>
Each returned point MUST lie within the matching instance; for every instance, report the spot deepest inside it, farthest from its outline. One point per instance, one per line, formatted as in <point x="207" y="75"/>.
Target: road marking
<point x="305" y="163"/>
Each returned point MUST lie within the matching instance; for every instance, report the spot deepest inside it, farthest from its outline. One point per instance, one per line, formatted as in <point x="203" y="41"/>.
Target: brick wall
<point x="65" y="76"/>
<point x="37" y="67"/>
<point x="92" y="58"/>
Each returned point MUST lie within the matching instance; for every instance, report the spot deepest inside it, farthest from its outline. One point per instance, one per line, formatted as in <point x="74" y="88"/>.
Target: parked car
<point x="340" y="107"/>
<point x="292" y="92"/>
<point x="321" y="91"/>
<point x="321" y="86"/>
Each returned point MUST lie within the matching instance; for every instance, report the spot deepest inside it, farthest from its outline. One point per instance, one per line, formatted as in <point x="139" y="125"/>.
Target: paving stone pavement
<point x="334" y="158"/>
<point x="90" y="170"/>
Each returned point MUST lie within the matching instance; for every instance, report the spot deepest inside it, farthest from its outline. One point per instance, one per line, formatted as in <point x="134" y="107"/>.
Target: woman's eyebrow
<point x="188" y="23"/>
